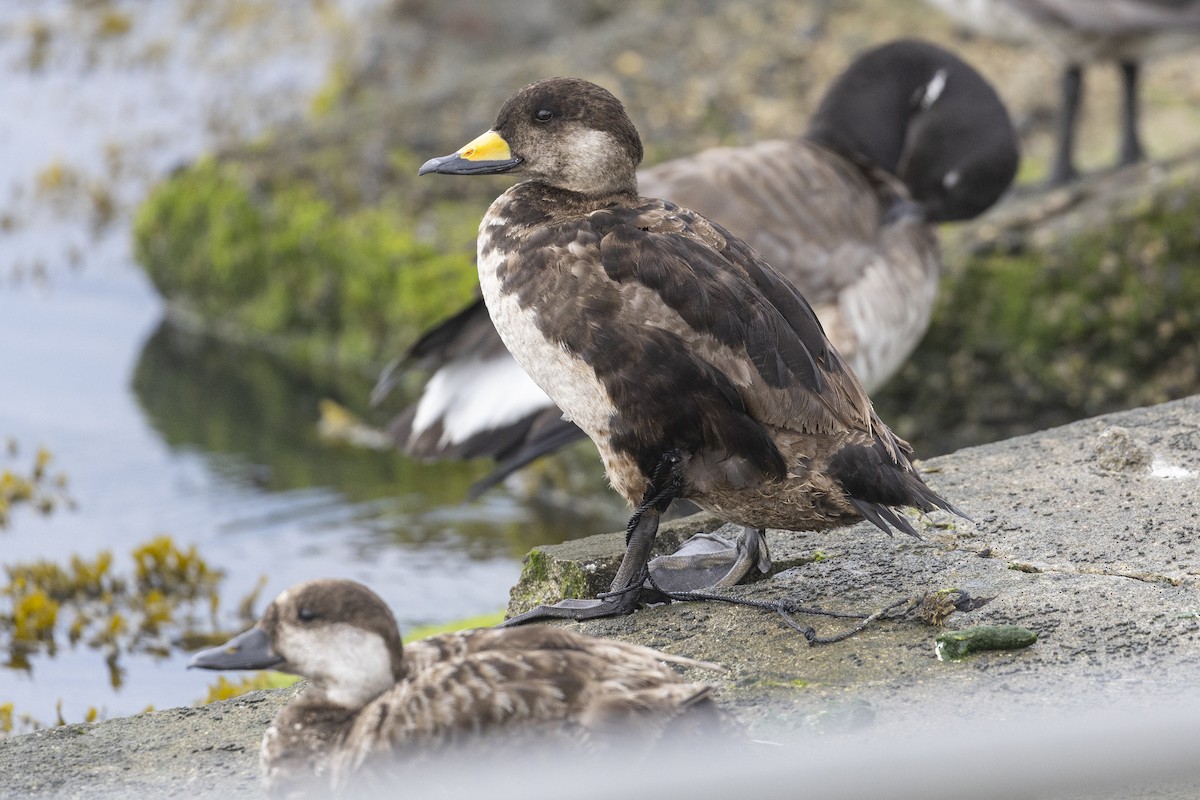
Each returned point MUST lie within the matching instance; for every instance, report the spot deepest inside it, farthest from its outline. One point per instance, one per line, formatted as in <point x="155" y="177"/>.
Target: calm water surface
<point x="160" y="433"/>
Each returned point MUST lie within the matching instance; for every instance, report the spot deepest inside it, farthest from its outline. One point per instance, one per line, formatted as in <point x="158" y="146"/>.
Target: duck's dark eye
<point x="306" y="615"/>
<point x="544" y="115"/>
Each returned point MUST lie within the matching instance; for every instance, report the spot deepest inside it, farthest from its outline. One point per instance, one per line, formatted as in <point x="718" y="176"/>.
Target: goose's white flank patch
<point x="477" y="395"/>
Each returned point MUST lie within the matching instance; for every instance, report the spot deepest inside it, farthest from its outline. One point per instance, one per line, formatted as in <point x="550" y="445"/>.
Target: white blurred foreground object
<point x="1127" y="752"/>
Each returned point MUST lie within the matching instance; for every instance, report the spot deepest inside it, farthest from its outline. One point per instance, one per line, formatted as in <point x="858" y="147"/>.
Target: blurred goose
<point x="909" y="135"/>
<point x="1082" y="32"/>
<point x="697" y="371"/>
<point x="373" y="706"/>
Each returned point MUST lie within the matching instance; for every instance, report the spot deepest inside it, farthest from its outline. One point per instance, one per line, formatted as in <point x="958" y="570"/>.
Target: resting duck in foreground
<point x="1083" y="32"/>
<point x="373" y="706"/>
<point x="697" y="370"/>
<point x="908" y="136"/>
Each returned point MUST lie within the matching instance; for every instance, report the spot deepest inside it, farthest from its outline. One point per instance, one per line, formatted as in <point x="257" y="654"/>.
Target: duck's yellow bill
<point x="487" y="153"/>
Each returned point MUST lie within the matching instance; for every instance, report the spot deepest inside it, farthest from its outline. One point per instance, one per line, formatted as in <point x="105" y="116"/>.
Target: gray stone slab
<point x="1086" y="534"/>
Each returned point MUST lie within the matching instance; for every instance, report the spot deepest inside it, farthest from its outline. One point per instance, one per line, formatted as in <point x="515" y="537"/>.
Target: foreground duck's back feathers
<point x="621" y="656"/>
<point x="527" y="685"/>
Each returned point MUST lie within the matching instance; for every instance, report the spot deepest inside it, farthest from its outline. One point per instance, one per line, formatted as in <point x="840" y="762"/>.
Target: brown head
<point x="336" y="633"/>
<point x="565" y="132"/>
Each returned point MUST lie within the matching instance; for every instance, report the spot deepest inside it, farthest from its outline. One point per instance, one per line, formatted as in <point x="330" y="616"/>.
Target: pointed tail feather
<point x="875" y="486"/>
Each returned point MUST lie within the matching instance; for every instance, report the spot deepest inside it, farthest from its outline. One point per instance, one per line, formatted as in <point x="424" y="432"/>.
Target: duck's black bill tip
<point x="249" y="650"/>
<point x="454" y="164"/>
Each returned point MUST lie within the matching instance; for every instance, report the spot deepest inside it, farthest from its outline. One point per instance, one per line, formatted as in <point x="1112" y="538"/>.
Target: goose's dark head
<point x="564" y="132"/>
<point x="336" y="633"/>
<point x="926" y="116"/>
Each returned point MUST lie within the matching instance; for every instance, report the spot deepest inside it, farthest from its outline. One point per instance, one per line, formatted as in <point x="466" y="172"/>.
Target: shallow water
<point x="161" y="433"/>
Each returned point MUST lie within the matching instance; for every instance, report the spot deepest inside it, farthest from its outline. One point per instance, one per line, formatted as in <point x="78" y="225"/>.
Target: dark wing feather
<point x="546" y="433"/>
<point x="736" y="311"/>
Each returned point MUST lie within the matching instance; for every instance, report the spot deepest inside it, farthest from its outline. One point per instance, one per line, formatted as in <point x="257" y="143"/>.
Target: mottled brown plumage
<point x="696" y="369"/>
<point x="373" y="707"/>
<point x="908" y="136"/>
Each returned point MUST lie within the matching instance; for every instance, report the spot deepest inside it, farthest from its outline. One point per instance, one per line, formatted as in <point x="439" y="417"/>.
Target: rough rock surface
<point x="1097" y="555"/>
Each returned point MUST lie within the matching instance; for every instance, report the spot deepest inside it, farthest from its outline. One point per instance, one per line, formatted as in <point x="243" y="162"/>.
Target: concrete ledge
<point x="1086" y="534"/>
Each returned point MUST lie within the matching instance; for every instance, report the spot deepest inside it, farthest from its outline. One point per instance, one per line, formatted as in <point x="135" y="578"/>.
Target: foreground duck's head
<point x="338" y="634"/>
<point x="564" y="132"/>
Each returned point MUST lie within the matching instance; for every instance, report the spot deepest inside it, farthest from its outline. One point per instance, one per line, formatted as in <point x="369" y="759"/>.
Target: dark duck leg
<point x="1064" y="171"/>
<point x="624" y="595"/>
<point x="698" y="371"/>
<point x="1131" y="152"/>
<point x="1131" y="146"/>
<point x="706" y="561"/>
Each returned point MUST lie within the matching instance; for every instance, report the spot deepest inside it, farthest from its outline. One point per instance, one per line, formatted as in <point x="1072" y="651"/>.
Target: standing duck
<point x="373" y="706"/>
<point x="908" y="136"/>
<point x="695" y="368"/>
<point x="1082" y="32"/>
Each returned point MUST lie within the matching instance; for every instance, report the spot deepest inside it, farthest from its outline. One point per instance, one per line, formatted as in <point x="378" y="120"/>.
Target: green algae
<point x="1072" y="325"/>
<point x="167" y="599"/>
<point x="957" y="645"/>
<point x="88" y="602"/>
<point x="283" y="259"/>
<point x="545" y="579"/>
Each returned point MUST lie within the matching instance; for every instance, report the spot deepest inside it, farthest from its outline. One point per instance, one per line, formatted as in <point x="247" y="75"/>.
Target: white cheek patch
<point x="934" y="89"/>
<point x="349" y="665"/>
<point x="476" y="395"/>
<point x="591" y="155"/>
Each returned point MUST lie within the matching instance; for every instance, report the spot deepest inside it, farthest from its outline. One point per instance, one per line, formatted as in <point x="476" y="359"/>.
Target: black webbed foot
<point x="708" y="560"/>
<point x="711" y="560"/>
<point x="610" y="605"/>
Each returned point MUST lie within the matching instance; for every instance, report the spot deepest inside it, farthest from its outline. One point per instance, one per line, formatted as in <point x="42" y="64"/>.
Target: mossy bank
<point x="1060" y="306"/>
